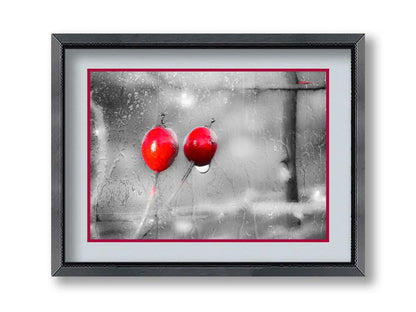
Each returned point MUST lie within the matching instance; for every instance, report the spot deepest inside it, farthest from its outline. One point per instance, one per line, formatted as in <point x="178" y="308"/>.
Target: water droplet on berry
<point x="203" y="169"/>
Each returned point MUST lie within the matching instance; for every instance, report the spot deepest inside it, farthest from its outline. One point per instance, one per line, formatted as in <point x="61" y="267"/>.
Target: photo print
<point x="208" y="155"/>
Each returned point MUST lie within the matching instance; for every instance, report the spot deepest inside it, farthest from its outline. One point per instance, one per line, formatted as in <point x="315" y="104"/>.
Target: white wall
<point x="25" y="156"/>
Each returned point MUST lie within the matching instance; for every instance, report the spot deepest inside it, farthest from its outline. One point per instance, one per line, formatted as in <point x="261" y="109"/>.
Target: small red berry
<point x="200" y="146"/>
<point x="159" y="148"/>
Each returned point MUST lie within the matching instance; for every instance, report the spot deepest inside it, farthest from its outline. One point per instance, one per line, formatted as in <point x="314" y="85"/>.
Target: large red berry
<point x="159" y="148"/>
<point x="200" y="146"/>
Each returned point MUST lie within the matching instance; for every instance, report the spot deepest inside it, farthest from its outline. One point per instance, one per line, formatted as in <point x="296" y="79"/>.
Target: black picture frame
<point x="353" y="42"/>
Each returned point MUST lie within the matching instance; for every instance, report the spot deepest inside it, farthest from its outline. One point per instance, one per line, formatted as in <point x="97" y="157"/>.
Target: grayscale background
<point x="266" y="181"/>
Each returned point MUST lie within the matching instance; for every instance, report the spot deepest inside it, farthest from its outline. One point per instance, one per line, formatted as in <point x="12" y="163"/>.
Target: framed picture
<point x="199" y="154"/>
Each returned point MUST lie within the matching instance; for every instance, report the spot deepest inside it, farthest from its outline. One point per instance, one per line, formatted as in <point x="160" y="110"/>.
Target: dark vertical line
<point x="57" y="156"/>
<point x="360" y="154"/>
<point x="294" y="196"/>
<point x="290" y="128"/>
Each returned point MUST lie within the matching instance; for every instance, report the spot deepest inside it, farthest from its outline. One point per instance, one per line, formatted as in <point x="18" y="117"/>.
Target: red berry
<point x="159" y="148"/>
<point x="200" y="146"/>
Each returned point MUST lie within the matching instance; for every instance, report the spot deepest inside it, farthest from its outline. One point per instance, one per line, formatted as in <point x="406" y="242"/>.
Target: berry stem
<point x="185" y="176"/>
<point x="162" y="120"/>
<point x="147" y="209"/>
<point x="210" y="123"/>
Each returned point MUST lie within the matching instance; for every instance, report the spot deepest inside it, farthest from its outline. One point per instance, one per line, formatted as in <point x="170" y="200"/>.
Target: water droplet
<point x="203" y="169"/>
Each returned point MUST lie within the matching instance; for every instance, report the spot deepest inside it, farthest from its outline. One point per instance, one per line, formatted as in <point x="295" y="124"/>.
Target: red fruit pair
<point x="160" y="147"/>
